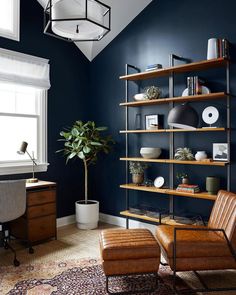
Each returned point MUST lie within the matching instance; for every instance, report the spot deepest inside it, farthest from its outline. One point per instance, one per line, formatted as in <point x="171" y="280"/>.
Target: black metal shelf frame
<point x="172" y="58"/>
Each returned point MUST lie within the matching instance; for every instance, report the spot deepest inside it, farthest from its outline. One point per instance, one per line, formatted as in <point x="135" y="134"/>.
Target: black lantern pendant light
<point x="77" y="20"/>
<point x="184" y="117"/>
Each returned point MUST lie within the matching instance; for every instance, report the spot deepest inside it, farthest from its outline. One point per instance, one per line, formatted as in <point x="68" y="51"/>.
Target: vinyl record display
<point x="210" y="115"/>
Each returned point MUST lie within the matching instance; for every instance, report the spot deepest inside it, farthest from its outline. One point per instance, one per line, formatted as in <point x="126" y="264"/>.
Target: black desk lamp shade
<point x="184" y="117"/>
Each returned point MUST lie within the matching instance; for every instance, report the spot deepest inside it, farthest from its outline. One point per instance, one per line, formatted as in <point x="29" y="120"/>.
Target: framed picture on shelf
<point x="220" y="152"/>
<point x="151" y="122"/>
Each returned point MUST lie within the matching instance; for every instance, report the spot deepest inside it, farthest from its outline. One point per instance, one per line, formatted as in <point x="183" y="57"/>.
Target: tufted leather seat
<point x="203" y="250"/>
<point x="128" y="251"/>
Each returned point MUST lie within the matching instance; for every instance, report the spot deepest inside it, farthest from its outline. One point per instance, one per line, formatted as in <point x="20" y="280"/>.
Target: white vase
<point x="87" y="215"/>
<point x="212" y="48"/>
<point x="200" y="155"/>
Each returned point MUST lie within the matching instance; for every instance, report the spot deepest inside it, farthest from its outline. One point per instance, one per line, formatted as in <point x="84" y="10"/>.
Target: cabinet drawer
<point x="42" y="228"/>
<point x="41" y="210"/>
<point x="41" y="197"/>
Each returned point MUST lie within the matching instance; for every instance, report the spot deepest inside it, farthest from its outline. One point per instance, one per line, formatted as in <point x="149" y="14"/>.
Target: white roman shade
<point x="24" y="69"/>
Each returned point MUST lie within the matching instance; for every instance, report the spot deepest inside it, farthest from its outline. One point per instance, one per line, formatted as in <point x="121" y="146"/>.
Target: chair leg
<point x="8" y="246"/>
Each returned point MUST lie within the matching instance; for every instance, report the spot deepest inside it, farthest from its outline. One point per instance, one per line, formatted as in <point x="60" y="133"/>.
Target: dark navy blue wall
<point x="81" y="90"/>
<point x="164" y="27"/>
<point x="66" y="98"/>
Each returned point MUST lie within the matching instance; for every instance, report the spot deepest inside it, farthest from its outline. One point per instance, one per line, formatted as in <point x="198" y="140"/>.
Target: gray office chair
<point x="12" y="206"/>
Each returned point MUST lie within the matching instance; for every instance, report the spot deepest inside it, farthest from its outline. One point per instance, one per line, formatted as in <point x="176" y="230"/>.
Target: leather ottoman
<point x="129" y="251"/>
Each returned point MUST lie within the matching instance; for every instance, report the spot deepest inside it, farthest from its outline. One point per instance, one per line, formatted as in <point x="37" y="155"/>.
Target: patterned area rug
<point x="83" y="277"/>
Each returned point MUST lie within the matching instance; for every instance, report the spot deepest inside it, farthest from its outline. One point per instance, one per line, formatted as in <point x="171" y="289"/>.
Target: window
<point x="10" y="19"/>
<point x="24" y="81"/>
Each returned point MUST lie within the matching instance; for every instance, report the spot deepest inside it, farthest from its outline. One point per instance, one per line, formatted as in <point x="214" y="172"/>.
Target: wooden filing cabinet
<point x="39" y="221"/>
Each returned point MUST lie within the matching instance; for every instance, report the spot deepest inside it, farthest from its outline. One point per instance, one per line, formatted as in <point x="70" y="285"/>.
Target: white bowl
<point x="140" y="96"/>
<point x="150" y="152"/>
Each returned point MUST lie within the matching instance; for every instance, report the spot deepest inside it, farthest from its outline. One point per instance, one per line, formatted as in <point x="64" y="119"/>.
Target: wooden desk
<point x="39" y="221"/>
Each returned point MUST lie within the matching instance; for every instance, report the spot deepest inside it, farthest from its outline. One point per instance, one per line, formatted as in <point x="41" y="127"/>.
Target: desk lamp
<point x="22" y="151"/>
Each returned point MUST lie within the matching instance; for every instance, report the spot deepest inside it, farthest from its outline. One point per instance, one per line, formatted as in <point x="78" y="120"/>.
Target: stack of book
<point x="194" y="85"/>
<point x="153" y="67"/>
<point x="222" y="49"/>
<point x="188" y="188"/>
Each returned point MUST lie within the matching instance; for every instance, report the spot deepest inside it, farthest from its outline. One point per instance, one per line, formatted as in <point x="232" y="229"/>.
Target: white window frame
<point x="15" y="34"/>
<point x="42" y="164"/>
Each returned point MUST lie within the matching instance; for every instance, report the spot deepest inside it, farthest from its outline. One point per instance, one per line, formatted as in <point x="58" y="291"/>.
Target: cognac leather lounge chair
<point x="196" y="248"/>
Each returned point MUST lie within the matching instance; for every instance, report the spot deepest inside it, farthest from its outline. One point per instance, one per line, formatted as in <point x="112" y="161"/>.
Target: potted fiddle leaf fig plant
<point x="84" y="141"/>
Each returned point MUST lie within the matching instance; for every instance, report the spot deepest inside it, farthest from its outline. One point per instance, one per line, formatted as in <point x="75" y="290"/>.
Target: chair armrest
<point x="233" y="252"/>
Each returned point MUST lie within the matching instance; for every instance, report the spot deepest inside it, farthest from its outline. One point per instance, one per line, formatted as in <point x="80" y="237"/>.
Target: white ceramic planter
<point x="87" y="215"/>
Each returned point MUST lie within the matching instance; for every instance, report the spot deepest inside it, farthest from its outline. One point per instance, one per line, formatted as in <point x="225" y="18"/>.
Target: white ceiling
<point x="122" y="13"/>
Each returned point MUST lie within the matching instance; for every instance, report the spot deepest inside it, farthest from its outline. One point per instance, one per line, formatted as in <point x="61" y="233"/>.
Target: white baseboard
<point x="121" y="221"/>
<point x="65" y="220"/>
<point x="110" y="219"/>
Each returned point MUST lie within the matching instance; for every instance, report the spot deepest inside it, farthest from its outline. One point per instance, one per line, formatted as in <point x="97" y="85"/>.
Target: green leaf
<point x="81" y="155"/>
<point x="95" y="143"/>
<point x="101" y="128"/>
<point x="86" y="150"/>
<point x="75" y="132"/>
<point x="72" y="155"/>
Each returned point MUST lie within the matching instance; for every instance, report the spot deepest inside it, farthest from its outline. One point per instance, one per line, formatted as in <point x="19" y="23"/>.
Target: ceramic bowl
<point x="140" y="96"/>
<point x="150" y="152"/>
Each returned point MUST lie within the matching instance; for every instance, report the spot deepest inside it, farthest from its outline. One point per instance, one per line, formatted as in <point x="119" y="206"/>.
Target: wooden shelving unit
<point x="176" y="130"/>
<point x="191" y="67"/>
<point x="170" y="192"/>
<point x="164" y="220"/>
<point x="173" y="161"/>
<point x="192" y="98"/>
<point x="167" y="191"/>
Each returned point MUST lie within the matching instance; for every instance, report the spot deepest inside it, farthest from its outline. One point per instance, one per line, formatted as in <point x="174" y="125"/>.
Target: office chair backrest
<point x="223" y="215"/>
<point x="12" y="199"/>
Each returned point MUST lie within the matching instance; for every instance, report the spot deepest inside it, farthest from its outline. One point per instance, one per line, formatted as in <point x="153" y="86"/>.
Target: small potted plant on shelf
<point x="137" y="169"/>
<point x="184" y="154"/>
<point x="183" y="177"/>
<point x="84" y="141"/>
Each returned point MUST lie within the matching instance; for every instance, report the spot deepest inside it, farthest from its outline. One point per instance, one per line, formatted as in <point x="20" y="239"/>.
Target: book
<point x="188" y="188"/>
<point x="225" y="48"/>
<point x="194" y="85"/>
<point x="190" y="85"/>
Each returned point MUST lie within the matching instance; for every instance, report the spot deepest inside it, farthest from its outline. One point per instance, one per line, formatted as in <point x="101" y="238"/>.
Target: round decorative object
<point x="184" y="117"/>
<point x="200" y="155"/>
<point x="205" y="90"/>
<point x="159" y="182"/>
<point x="150" y="152"/>
<point x="152" y="92"/>
<point x="210" y="115"/>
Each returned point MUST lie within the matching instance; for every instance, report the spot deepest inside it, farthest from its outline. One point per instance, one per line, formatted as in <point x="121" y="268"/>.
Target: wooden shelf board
<point x="143" y="217"/>
<point x="166" y="191"/>
<point x="169" y="161"/>
<point x="165" y="220"/>
<point x="195" y="66"/>
<point x="175" y="130"/>
<point x="200" y="97"/>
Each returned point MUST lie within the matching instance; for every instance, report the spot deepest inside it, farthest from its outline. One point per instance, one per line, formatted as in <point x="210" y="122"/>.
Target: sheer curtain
<point x="24" y="69"/>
